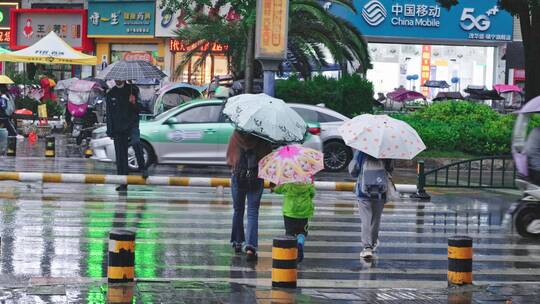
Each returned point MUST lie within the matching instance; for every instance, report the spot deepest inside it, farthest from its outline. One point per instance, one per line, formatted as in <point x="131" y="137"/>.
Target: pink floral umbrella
<point x="291" y="164"/>
<point x="382" y="137"/>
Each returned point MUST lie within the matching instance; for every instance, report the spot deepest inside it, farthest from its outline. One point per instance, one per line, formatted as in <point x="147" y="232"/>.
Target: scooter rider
<point x="532" y="150"/>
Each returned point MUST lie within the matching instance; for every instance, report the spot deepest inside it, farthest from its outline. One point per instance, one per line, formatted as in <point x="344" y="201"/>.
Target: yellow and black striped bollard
<point x="284" y="254"/>
<point x="121" y="267"/>
<point x="460" y="260"/>
<point x="50" y="146"/>
<point x="12" y="146"/>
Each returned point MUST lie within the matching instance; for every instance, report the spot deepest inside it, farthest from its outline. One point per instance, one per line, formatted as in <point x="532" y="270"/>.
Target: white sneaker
<point x="366" y="253"/>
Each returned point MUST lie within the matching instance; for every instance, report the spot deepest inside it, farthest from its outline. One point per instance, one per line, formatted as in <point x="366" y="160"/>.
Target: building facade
<point x="420" y="40"/>
<point x="125" y="30"/>
<point x="215" y="65"/>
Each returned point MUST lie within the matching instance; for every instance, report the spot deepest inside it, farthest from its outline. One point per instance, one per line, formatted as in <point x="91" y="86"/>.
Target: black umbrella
<point x="131" y="70"/>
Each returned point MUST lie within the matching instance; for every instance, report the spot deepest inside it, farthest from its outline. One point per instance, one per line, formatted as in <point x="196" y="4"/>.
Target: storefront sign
<point x="5" y="36"/>
<point x="178" y="46"/>
<point x="132" y="56"/>
<point x="272" y="26"/>
<point x="121" y="18"/>
<point x="168" y="21"/>
<point x="426" y="68"/>
<point x="426" y="19"/>
<point x="28" y="26"/>
<point x="5" y="18"/>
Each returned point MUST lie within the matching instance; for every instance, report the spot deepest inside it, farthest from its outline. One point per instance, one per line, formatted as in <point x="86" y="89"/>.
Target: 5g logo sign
<point x="469" y="21"/>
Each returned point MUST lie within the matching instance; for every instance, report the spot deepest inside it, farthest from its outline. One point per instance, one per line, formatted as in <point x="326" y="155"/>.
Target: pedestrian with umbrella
<point x="292" y="168"/>
<point x="260" y="120"/>
<point x="377" y="139"/>
<point x="123" y="111"/>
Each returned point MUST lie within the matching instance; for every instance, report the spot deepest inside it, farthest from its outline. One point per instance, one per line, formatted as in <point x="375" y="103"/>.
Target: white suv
<point x="337" y="155"/>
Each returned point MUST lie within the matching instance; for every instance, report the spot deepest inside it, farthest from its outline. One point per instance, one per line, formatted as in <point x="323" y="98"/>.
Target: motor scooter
<point x="84" y="97"/>
<point x="525" y="213"/>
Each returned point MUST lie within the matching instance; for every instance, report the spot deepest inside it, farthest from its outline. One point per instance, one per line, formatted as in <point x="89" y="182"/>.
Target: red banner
<point x="426" y="68"/>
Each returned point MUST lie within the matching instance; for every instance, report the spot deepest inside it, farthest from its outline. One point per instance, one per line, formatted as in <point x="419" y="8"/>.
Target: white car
<point x="192" y="133"/>
<point x="337" y="155"/>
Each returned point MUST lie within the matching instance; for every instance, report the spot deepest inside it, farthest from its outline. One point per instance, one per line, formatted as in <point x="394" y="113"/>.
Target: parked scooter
<point x="84" y="97"/>
<point x="525" y="213"/>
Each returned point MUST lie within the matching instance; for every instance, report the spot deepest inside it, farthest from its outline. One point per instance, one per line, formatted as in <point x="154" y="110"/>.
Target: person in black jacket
<point x="123" y="126"/>
<point x="5" y="117"/>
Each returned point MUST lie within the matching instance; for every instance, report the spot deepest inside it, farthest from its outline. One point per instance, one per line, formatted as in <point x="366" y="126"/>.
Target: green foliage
<point x="312" y="30"/>
<point x="21" y="78"/>
<point x="53" y="108"/>
<point x="350" y="95"/>
<point x="464" y="127"/>
<point x="26" y="103"/>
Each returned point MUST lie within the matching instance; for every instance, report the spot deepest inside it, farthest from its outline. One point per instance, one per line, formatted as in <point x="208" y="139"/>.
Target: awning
<point x="51" y="49"/>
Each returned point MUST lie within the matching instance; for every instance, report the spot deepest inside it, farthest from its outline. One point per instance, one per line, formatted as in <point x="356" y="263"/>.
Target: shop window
<point x="215" y="65"/>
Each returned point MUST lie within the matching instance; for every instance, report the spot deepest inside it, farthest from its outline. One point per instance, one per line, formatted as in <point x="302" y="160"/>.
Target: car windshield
<point x="165" y="114"/>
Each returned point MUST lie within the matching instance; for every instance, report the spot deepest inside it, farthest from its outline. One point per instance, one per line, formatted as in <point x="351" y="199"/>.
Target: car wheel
<point x="527" y="221"/>
<point x="336" y="156"/>
<point x="148" y="155"/>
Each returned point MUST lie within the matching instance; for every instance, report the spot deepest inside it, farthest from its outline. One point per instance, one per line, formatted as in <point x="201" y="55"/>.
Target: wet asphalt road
<point x="60" y="231"/>
<point x="54" y="243"/>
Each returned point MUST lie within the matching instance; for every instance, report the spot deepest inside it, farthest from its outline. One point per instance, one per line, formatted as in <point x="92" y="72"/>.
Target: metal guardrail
<point x="495" y="172"/>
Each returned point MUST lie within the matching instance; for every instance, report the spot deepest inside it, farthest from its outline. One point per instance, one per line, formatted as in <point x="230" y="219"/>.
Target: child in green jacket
<point x="298" y="208"/>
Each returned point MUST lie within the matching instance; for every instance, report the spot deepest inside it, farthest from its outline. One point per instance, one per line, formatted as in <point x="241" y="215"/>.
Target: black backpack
<point x="246" y="170"/>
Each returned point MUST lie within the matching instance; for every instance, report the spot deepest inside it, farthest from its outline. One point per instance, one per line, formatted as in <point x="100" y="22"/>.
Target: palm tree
<point x="312" y="30"/>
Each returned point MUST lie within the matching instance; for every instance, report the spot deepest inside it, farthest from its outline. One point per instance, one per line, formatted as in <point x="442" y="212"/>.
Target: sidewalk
<point x="84" y="290"/>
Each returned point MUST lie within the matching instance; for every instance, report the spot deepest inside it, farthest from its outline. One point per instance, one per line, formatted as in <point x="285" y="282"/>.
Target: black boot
<point x="121" y="188"/>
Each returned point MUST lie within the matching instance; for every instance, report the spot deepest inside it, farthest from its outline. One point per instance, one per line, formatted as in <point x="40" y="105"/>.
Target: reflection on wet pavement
<point x="60" y="232"/>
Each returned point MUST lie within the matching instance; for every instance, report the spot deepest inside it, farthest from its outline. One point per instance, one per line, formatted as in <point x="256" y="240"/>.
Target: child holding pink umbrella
<point x="291" y="168"/>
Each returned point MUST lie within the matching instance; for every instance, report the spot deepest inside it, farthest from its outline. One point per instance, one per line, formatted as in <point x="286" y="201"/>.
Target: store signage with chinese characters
<point x="28" y="26"/>
<point x="427" y="20"/>
<point x="121" y="18"/>
<point x="272" y="26"/>
<point x="168" y="21"/>
<point x="5" y="36"/>
<point x="177" y="46"/>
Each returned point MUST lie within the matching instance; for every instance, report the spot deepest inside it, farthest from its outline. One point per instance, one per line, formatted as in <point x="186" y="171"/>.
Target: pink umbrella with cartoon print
<point x="382" y="137"/>
<point x="291" y="164"/>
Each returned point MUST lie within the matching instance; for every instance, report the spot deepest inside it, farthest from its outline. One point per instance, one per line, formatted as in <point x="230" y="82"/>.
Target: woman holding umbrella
<point x="243" y="155"/>
<point x="377" y="139"/>
<point x="259" y="120"/>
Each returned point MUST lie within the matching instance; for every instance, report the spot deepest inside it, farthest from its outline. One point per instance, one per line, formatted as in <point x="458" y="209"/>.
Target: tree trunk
<point x="250" y="60"/>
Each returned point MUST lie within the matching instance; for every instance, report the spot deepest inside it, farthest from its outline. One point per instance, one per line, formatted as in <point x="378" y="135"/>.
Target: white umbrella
<point x="382" y="137"/>
<point x="266" y="117"/>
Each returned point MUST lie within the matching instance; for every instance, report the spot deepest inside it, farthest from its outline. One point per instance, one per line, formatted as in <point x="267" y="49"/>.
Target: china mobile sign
<point x="426" y="19"/>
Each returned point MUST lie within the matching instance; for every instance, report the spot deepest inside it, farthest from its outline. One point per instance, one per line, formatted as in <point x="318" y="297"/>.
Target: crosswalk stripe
<point x="412" y="252"/>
